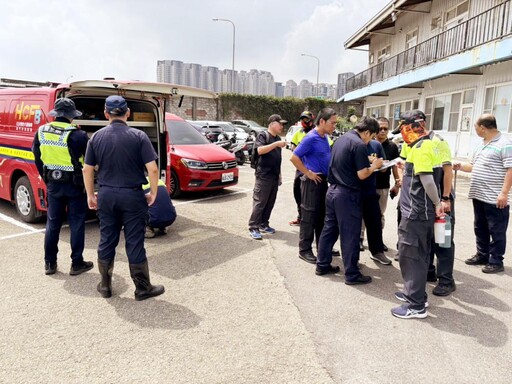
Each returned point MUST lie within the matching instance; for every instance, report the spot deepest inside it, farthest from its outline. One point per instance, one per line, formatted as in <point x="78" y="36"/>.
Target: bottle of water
<point x="447" y="243"/>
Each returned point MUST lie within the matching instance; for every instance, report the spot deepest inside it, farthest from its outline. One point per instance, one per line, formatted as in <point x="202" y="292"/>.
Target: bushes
<point x="259" y="108"/>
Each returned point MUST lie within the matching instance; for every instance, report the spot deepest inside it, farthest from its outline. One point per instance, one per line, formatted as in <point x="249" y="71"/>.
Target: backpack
<point x="254" y="155"/>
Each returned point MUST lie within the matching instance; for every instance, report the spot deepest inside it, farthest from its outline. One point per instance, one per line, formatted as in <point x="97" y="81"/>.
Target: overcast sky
<point x="60" y="40"/>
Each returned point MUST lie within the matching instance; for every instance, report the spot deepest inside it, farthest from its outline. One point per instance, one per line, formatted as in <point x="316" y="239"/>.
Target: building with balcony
<point x="450" y="58"/>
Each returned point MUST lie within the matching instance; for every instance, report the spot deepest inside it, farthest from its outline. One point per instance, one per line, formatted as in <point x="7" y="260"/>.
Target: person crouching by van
<point x="59" y="149"/>
<point x="161" y="213"/>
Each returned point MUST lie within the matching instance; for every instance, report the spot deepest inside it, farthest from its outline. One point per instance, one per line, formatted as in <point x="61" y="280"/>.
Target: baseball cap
<point x="116" y="105"/>
<point x="409" y="117"/>
<point x="65" y="107"/>
<point x="277" y="118"/>
<point x="306" y="115"/>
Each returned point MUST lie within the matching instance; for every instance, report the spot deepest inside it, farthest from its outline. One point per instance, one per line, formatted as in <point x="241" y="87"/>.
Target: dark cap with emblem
<point x="410" y="117"/>
<point x="277" y="118"/>
<point x="65" y="107"/>
<point x="116" y="105"/>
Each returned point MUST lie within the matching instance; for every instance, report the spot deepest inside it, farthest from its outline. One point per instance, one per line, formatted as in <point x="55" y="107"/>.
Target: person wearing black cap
<point x="59" y="149"/>
<point x="420" y="203"/>
<point x="122" y="155"/>
<point x="268" y="176"/>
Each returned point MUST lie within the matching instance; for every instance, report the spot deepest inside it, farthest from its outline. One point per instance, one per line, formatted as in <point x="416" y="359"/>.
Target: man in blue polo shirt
<point x="349" y="165"/>
<point x="311" y="158"/>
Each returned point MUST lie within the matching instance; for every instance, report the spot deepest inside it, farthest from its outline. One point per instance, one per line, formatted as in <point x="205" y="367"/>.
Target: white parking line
<point x="32" y="230"/>
<point x="17" y="223"/>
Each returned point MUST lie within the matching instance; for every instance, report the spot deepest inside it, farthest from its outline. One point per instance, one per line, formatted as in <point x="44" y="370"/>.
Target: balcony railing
<point x="492" y="24"/>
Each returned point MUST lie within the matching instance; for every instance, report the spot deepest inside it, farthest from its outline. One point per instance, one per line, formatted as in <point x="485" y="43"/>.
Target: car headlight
<point x="194" y="164"/>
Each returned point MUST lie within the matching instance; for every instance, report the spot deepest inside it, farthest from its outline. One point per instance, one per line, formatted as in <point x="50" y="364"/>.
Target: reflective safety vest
<point x="146" y="186"/>
<point x="53" y="140"/>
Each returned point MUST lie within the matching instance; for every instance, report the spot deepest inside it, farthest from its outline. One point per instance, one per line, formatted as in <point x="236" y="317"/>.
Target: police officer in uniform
<point x="59" y="149"/>
<point x="122" y="154"/>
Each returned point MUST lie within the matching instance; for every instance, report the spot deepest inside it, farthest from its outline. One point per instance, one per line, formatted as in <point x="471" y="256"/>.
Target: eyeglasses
<point x="383" y="129"/>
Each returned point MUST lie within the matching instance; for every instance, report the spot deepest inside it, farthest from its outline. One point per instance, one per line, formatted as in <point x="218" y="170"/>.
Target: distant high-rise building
<point x="253" y="82"/>
<point x="342" y="80"/>
<point x="290" y="89"/>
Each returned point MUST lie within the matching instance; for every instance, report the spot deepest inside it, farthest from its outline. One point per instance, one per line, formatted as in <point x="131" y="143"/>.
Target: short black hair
<point x="325" y="114"/>
<point x="383" y="119"/>
<point x="488" y="121"/>
<point x="368" y="124"/>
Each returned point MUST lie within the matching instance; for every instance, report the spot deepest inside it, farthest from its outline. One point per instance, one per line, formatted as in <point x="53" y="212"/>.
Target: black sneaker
<point x="308" y="258"/>
<point x="362" y="279"/>
<point x="380" y="258"/>
<point x="443" y="289"/>
<point x="477" y="260"/>
<point x="84" y="266"/>
<point x="50" y="269"/>
<point x="327" y="270"/>
<point x="492" y="268"/>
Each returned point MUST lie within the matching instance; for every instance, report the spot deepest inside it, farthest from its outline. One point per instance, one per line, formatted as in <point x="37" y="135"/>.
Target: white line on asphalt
<point x="17" y="223"/>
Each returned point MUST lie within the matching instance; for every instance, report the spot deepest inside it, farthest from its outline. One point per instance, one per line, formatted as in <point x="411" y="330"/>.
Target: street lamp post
<point x="317" y="69"/>
<point x="233" y="66"/>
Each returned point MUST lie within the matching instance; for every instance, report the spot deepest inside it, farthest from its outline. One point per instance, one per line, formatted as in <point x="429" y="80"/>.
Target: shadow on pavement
<point x="191" y="247"/>
<point x="465" y="320"/>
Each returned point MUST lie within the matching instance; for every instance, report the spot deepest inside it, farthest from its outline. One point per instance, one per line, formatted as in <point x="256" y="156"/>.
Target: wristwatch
<point x="445" y="198"/>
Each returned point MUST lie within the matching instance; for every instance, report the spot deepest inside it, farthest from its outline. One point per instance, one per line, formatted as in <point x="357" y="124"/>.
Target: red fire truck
<point x="24" y="110"/>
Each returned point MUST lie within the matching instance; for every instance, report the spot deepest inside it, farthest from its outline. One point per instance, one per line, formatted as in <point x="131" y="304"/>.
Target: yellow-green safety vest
<point x="53" y="140"/>
<point x="146" y="186"/>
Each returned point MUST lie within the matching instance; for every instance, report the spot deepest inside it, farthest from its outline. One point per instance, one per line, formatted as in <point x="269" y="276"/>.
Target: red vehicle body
<point x="24" y="110"/>
<point x="196" y="163"/>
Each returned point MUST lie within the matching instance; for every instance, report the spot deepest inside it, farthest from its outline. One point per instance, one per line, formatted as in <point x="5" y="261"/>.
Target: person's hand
<point x="447" y="206"/>
<point x="150" y="198"/>
<point x="400" y="164"/>
<point x="313" y="176"/>
<point x="398" y="183"/>
<point x="440" y="210"/>
<point x="378" y="162"/>
<point x="502" y="200"/>
<point x="456" y="166"/>
<point x="92" y="202"/>
<point x="280" y="143"/>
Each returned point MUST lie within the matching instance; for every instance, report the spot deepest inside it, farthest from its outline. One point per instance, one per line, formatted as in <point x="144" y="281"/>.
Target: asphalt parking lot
<point x="243" y="311"/>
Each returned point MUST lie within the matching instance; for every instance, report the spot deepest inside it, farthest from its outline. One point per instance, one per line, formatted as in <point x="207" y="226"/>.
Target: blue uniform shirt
<point x="122" y="153"/>
<point x="314" y="151"/>
<point x="374" y="148"/>
<point x="349" y="155"/>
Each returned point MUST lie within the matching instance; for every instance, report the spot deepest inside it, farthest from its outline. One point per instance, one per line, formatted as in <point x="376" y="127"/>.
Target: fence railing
<point x="492" y="24"/>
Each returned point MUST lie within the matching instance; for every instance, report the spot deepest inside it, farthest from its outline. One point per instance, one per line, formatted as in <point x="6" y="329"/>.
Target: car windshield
<point x="182" y="133"/>
<point x="228" y="127"/>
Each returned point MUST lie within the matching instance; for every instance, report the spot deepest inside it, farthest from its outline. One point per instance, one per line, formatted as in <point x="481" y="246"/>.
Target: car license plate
<point x="227" y="177"/>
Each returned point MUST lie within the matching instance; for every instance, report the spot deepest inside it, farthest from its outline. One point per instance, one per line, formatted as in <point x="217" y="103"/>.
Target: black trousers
<point x="373" y="222"/>
<point x="296" y="191"/>
<point x="491" y="230"/>
<point x="312" y="213"/>
<point x="263" y="200"/>
<point x="414" y="242"/>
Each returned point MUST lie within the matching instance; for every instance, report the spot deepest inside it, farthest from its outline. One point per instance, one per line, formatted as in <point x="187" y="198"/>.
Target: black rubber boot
<point x="143" y="287"/>
<point x="105" y="285"/>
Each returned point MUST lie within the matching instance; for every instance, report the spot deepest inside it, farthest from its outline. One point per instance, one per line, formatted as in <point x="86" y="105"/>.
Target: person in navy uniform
<point x="122" y="155"/>
<point x="59" y="148"/>
<point x="161" y="213"/>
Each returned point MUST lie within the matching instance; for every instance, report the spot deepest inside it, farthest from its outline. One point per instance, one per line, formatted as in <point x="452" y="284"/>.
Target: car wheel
<point x="175" y="185"/>
<point x="24" y="201"/>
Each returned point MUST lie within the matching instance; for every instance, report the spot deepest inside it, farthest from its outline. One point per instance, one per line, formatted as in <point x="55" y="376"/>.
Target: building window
<point x="498" y="102"/>
<point x="436" y="23"/>
<point x="371" y="59"/>
<point x="395" y="110"/>
<point x="457" y="14"/>
<point x="411" y="39"/>
<point x="383" y="54"/>
<point x="443" y="112"/>
<point x="376" y="111"/>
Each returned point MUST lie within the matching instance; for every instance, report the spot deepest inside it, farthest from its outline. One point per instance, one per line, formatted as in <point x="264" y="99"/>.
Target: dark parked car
<point x="211" y="131"/>
<point x="249" y="126"/>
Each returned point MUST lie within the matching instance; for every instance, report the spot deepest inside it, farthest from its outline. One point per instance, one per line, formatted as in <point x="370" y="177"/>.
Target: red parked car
<point x="197" y="164"/>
